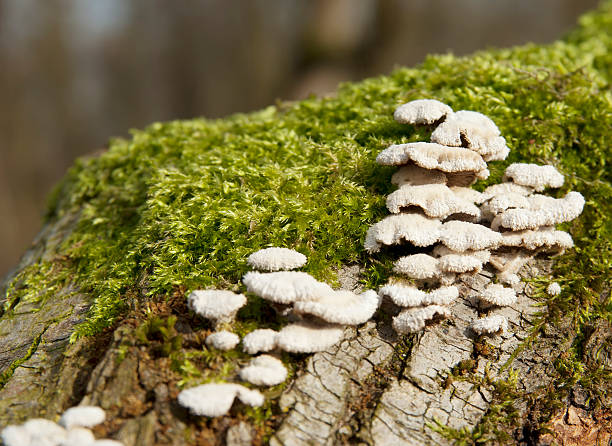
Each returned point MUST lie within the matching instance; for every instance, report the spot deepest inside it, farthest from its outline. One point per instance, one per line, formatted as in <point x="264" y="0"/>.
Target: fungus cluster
<point x="317" y="312"/>
<point x="456" y="230"/>
<point x="71" y="430"/>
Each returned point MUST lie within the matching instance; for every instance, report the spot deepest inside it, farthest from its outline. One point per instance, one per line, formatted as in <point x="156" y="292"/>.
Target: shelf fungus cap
<point x="417" y="266"/>
<point x="275" y="259"/>
<point x="341" y="307"/>
<point x="468" y="194"/>
<point x="542" y="211"/>
<point x="13" y="435"/>
<point x="219" y="305"/>
<point x="506" y="188"/>
<point x="284" y="287"/>
<point x="260" y="340"/>
<point x="434" y="156"/>
<point x="545" y="237"/>
<point x="535" y="176"/>
<point x="415" y="176"/>
<point x="411" y="227"/>
<point x="43" y="432"/>
<point x="421" y="111"/>
<point x="490" y="324"/>
<point x="78" y="436"/>
<point x="460" y="263"/>
<point x="265" y="370"/>
<point x="222" y="340"/>
<point x="83" y="416"/>
<point x="409" y="296"/>
<point x="463" y="236"/>
<point x="436" y="200"/>
<point x="553" y="289"/>
<point x="305" y="337"/>
<point x="496" y="294"/>
<point x="214" y="400"/>
<point x="415" y="319"/>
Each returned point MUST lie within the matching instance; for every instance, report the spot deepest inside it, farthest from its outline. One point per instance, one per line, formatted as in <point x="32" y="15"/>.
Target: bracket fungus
<point x="276" y="259"/>
<point x="217" y="305"/>
<point x="496" y="294"/>
<point x="415" y="319"/>
<point x="213" y="400"/>
<point x="436" y="200"/>
<point x="341" y="307"/>
<point x="82" y="416"/>
<point x="260" y="340"/>
<point x="422" y="111"/>
<point x="284" y="287"/>
<point x="489" y="325"/>
<point x="222" y="340"/>
<point x="306" y="337"/>
<point x="264" y="370"/>
<point x="409" y="296"/>
<point x="413" y="228"/>
<point x="532" y="175"/>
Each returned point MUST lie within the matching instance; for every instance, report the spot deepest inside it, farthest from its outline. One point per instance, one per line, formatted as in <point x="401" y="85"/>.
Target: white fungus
<point x="304" y="337"/>
<point x="542" y="211"/>
<point x="218" y="305"/>
<point x="15" y="436"/>
<point x="107" y="442"/>
<point x="531" y="239"/>
<point x="414" y="228"/>
<point x="436" y="200"/>
<point x="415" y="319"/>
<point x="284" y="287"/>
<point x="213" y="400"/>
<point x="409" y="296"/>
<point x="417" y="266"/>
<point x="265" y="370"/>
<point x="275" y="259"/>
<point x="83" y="416"/>
<point x="553" y="289"/>
<point x="412" y="175"/>
<point x="260" y="340"/>
<point x="496" y="294"/>
<point x="505" y="188"/>
<point x="490" y="324"/>
<point x="421" y="111"/>
<point x="341" y="307"/>
<point x="434" y="156"/>
<point x="44" y="432"/>
<point x="463" y="236"/>
<point x="460" y="263"/>
<point x="468" y="194"/>
<point x="222" y="340"/>
<point x="532" y="175"/>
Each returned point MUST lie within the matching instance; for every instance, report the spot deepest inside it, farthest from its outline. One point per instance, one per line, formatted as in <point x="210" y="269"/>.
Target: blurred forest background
<point x="74" y="73"/>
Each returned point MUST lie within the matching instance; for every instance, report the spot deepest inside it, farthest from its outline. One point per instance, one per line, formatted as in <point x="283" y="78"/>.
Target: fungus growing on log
<point x="82" y="416"/>
<point x="217" y="305"/>
<point x="421" y="111"/>
<point x="410" y="227"/>
<point x="409" y="296"/>
<point x="415" y="319"/>
<point x="264" y="370"/>
<point x="490" y="324"/>
<point x="260" y="340"/>
<point x="553" y="289"/>
<point x="284" y="287"/>
<point x="222" y="340"/>
<point x="275" y="259"/>
<point x="341" y="307"/>
<point x="496" y="294"/>
<point x="305" y="337"/>
<point x="532" y="175"/>
<point x="213" y="400"/>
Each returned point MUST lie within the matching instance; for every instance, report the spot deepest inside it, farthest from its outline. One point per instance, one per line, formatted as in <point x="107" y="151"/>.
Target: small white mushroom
<point x="408" y="296"/>
<point x="421" y="111"/>
<point x="462" y="236"/>
<point x="546" y="237"/>
<point x="284" y="287"/>
<point x="414" y="176"/>
<point x="217" y="305"/>
<point x="82" y="416"/>
<point x="436" y="200"/>
<point x="341" y="307"/>
<point x="472" y="130"/>
<point x="222" y="340"/>
<point x="414" y="228"/>
<point x="506" y="188"/>
<point x="434" y="156"/>
<point x="496" y="294"/>
<point x="304" y="337"/>
<point x="15" y="436"/>
<point x="78" y="436"/>
<point x="415" y="319"/>
<point x="543" y="211"/>
<point x="265" y="370"/>
<point x="553" y="289"/>
<point x="214" y="400"/>
<point x="490" y="324"/>
<point x="417" y="266"/>
<point x="260" y="340"/>
<point x="275" y="259"/>
<point x="535" y="176"/>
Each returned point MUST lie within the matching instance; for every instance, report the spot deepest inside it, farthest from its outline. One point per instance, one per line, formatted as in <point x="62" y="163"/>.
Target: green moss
<point x="183" y="203"/>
